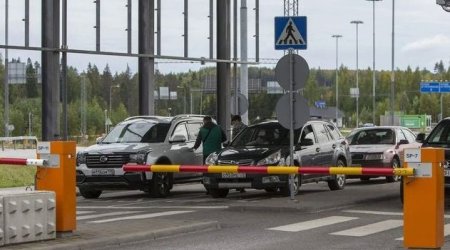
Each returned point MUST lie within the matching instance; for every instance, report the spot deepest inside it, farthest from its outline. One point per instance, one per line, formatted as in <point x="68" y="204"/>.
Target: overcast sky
<point x="422" y="32"/>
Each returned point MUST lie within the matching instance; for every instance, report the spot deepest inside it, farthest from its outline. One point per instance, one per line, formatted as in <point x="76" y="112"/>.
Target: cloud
<point x="437" y="42"/>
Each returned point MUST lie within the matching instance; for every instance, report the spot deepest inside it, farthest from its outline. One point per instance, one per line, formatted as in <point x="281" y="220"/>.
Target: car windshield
<point x="441" y="134"/>
<point x="138" y="132"/>
<point x="372" y="136"/>
<point x="263" y="135"/>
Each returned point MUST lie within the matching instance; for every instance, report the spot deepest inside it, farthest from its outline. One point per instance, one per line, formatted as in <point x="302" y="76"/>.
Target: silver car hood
<point x="111" y="148"/>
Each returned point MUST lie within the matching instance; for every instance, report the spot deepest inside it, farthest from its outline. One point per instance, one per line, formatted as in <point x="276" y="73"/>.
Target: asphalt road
<point x="366" y="215"/>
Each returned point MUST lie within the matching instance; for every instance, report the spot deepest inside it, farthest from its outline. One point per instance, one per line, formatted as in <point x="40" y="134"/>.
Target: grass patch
<point x="16" y="176"/>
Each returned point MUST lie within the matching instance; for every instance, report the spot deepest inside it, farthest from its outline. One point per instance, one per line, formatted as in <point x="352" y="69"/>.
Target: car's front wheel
<point x="394" y="178"/>
<point x="160" y="185"/>
<point x="338" y="181"/>
<point x="218" y="192"/>
<point x="88" y="193"/>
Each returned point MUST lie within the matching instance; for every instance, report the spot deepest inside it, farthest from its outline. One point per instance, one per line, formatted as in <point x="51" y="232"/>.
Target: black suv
<point x="267" y="144"/>
<point x="142" y="140"/>
<point x="439" y="138"/>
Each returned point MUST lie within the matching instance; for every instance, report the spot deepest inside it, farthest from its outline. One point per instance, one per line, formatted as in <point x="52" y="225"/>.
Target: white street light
<point x="357" y="22"/>
<point x="110" y="98"/>
<point x="337" y="75"/>
<point x="392" y="69"/>
<point x="373" y="74"/>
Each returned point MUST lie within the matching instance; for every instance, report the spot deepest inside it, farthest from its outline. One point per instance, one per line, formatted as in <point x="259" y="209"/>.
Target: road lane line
<point x="446" y="231"/>
<point x="154" y="207"/>
<point x="93" y="216"/>
<point x="141" y="216"/>
<point x="371" y="228"/>
<point x="306" y="225"/>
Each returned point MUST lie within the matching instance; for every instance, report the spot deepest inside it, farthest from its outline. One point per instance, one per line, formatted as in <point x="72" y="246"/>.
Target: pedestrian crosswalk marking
<point x="446" y="231"/>
<point x="141" y="216"/>
<point x="85" y="212"/>
<point x="154" y="207"/>
<point x="93" y="216"/>
<point x="371" y="228"/>
<point x="373" y="212"/>
<point x="306" y="225"/>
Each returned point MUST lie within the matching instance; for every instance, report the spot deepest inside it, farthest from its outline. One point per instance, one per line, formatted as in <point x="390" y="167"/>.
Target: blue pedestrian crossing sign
<point x="290" y="32"/>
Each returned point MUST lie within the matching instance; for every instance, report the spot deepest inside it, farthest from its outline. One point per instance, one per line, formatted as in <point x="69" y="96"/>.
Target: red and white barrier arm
<point x="23" y="162"/>
<point x="270" y="170"/>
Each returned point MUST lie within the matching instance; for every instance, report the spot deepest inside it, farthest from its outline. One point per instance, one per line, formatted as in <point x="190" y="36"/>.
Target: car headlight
<point x="211" y="159"/>
<point x="81" y="158"/>
<point x="374" y="157"/>
<point x="138" y="158"/>
<point x="271" y="159"/>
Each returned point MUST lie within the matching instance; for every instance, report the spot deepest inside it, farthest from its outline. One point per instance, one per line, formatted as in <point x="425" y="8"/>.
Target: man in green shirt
<point x="211" y="136"/>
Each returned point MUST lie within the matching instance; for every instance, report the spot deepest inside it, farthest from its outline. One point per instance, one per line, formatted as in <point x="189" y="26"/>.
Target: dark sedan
<point x="267" y="144"/>
<point x="380" y="147"/>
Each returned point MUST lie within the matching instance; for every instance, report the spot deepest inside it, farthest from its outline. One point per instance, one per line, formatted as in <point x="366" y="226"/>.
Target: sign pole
<point x="292" y="113"/>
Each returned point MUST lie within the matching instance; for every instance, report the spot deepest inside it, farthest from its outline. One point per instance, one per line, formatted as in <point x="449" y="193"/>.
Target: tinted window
<point x="308" y="135"/>
<point x="193" y="129"/>
<point x="440" y="134"/>
<point x="322" y="134"/>
<point x="137" y="132"/>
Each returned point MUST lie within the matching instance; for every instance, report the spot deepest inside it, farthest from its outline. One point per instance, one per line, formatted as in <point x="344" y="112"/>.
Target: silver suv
<point x="142" y="140"/>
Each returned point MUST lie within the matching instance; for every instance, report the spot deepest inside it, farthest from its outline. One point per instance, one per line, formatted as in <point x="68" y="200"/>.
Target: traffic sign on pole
<point x="300" y="73"/>
<point x="290" y="32"/>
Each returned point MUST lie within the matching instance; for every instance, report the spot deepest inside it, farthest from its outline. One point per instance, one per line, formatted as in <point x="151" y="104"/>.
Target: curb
<point x="115" y="240"/>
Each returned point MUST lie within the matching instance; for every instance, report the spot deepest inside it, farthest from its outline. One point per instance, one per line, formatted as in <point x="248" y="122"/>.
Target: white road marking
<point x="85" y="212"/>
<point x="306" y="225"/>
<point x="142" y="216"/>
<point x="373" y="212"/>
<point x="371" y="228"/>
<point x="381" y="213"/>
<point x="446" y="231"/>
<point x="154" y="207"/>
<point x="93" y="216"/>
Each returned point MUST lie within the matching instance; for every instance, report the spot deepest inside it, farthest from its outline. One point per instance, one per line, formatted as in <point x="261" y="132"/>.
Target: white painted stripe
<point x="142" y="216"/>
<point x="381" y="213"/>
<point x="306" y="225"/>
<point x="93" y="216"/>
<point x="371" y="228"/>
<point x="373" y="212"/>
<point x="154" y="207"/>
<point x="85" y="212"/>
<point x="446" y="231"/>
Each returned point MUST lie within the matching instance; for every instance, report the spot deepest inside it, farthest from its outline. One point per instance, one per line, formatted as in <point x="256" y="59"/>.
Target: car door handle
<point x="334" y="146"/>
<point x="317" y="150"/>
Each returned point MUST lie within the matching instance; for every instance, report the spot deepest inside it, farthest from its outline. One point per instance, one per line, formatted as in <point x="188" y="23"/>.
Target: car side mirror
<point x="226" y="144"/>
<point x="403" y="141"/>
<point x="307" y="142"/>
<point x="177" y="139"/>
<point x="420" y="137"/>
<point x="99" y="139"/>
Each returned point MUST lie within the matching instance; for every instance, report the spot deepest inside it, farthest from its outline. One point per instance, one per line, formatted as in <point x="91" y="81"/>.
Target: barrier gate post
<point x="423" y="206"/>
<point x="60" y="179"/>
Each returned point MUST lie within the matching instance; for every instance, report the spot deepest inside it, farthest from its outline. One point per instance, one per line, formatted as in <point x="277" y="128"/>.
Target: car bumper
<point x="126" y="181"/>
<point x="256" y="181"/>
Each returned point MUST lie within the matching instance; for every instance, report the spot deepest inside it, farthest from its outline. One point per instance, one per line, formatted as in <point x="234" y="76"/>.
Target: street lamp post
<point x="110" y="98"/>
<point x="373" y="73"/>
<point x="337" y="75"/>
<point x="184" y="98"/>
<point x="393" y="61"/>
<point x="357" y="22"/>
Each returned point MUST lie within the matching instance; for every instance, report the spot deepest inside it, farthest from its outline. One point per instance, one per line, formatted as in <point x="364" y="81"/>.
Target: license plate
<point x="233" y="175"/>
<point x="446" y="172"/>
<point x="103" y="171"/>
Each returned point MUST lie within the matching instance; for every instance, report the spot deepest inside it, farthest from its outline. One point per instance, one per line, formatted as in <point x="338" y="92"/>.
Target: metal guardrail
<point x="270" y="170"/>
<point x="17" y="138"/>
